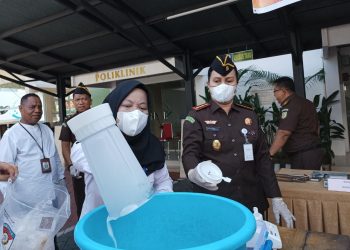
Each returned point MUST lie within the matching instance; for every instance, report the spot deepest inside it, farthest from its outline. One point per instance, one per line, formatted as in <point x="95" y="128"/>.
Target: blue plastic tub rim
<point x="235" y="239"/>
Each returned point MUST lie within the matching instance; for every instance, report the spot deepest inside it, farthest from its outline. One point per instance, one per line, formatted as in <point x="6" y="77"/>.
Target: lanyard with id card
<point x="247" y="147"/>
<point x="44" y="162"/>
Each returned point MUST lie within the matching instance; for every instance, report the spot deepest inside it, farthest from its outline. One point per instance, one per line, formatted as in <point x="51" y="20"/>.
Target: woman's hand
<point x="9" y="169"/>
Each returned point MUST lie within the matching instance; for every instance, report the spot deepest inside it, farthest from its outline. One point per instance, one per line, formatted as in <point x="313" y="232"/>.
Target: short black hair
<point x="26" y="96"/>
<point x="285" y="82"/>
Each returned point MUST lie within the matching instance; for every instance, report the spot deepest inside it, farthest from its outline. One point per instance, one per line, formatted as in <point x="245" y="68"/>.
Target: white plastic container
<point x="261" y="233"/>
<point x="122" y="183"/>
<point x="211" y="173"/>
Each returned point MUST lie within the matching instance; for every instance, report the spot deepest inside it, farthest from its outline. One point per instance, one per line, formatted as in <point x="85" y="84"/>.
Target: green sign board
<point x="242" y="55"/>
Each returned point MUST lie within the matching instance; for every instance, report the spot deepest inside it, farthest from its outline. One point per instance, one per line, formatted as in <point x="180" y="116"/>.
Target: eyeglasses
<point x="276" y="90"/>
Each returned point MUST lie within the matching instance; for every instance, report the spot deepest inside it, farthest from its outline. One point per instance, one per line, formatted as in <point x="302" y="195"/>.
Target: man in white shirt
<point x="30" y="146"/>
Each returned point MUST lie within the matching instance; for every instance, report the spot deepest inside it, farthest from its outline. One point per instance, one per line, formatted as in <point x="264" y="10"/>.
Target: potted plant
<point x="329" y="129"/>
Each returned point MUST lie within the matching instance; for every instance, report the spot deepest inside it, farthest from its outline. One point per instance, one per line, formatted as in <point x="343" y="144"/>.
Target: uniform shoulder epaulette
<point x="68" y="117"/>
<point x="200" y="107"/>
<point x="243" y="106"/>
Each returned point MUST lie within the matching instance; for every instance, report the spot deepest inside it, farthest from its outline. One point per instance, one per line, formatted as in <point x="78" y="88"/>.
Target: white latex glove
<point x="194" y="176"/>
<point x="74" y="172"/>
<point x="280" y="208"/>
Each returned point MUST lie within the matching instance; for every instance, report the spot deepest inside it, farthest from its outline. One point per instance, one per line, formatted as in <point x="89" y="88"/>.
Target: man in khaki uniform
<point x="298" y="129"/>
<point x="82" y="102"/>
<point x="229" y="135"/>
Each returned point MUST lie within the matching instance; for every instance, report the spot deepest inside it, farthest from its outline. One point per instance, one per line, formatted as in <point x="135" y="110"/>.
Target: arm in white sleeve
<point x="162" y="180"/>
<point x="8" y="149"/>
<point x="78" y="158"/>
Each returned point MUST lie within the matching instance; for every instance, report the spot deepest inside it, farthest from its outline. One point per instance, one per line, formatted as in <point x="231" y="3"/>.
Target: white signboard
<point x="128" y="72"/>
<point x="263" y="6"/>
<point x="342" y="185"/>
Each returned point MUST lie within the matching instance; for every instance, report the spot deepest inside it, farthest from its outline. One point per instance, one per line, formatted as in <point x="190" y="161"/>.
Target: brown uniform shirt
<point x="66" y="134"/>
<point x="299" y="117"/>
<point x="252" y="181"/>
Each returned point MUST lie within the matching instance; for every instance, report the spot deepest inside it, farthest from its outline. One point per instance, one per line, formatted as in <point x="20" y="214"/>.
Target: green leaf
<point x="319" y="76"/>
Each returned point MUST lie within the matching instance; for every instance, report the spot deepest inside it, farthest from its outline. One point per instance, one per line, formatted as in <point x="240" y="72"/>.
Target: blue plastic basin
<point x="171" y="221"/>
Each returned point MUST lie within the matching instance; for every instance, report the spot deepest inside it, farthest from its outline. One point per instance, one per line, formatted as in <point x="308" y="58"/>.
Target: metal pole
<point x="61" y="94"/>
<point x="298" y="65"/>
<point x="189" y="83"/>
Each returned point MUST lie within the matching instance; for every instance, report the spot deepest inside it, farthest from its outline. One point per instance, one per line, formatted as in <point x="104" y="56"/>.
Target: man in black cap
<point x="229" y="135"/>
<point x="82" y="102"/>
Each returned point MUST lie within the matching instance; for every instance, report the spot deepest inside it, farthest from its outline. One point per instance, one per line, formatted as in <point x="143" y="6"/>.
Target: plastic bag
<point x="34" y="210"/>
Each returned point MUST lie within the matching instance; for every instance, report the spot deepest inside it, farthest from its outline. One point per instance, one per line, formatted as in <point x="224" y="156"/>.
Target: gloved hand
<point x="280" y="208"/>
<point x="194" y="176"/>
<point x="74" y="172"/>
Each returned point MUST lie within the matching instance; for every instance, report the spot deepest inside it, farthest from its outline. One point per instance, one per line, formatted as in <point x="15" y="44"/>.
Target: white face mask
<point x="223" y="93"/>
<point x="132" y="123"/>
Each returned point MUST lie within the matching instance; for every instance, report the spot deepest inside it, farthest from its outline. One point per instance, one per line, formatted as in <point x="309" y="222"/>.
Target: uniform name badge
<point x="247" y="147"/>
<point x="248" y="152"/>
<point x="45" y="165"/>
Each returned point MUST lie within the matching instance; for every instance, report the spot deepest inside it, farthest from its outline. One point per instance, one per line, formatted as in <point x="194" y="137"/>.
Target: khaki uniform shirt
<point x="299" y="117"/>
<point x="205" y="129"/>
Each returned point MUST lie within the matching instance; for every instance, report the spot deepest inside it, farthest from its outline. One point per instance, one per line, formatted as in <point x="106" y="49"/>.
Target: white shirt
<point x="92" y="195"/>
<point x="19" y="148"/>
<point x="159" y="179"/>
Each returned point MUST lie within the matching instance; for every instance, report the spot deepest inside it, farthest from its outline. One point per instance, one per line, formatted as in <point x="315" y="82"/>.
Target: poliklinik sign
<point x="122" y="73"/>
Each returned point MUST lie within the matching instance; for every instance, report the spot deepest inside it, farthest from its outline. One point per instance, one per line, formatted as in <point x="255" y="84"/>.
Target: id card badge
<point x="45" y="165"/>
<point x="248" y="152"/>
